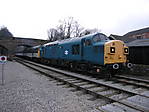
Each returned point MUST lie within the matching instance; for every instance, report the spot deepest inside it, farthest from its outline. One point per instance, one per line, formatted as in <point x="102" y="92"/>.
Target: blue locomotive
<point x="94" y="52"/>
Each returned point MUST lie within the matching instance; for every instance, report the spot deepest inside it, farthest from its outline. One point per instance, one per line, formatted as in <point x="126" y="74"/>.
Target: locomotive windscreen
<point x="100" y="37"/>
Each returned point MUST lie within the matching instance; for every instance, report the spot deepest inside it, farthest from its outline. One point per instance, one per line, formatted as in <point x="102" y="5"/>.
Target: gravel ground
<point x="26" y="90"/>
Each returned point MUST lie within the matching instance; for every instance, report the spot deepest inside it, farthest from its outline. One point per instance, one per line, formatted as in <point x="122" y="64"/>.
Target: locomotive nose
<point x="115" y="52"/>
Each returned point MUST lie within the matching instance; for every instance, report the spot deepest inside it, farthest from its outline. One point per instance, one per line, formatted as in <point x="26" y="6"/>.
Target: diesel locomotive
<point x="93" y="52"/>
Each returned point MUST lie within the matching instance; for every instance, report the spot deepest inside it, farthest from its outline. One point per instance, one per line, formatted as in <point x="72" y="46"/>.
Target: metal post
<point x="3" y="60"/>
<point x="2" y="74"/>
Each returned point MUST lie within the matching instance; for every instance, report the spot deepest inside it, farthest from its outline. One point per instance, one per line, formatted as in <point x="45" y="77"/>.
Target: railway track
<point x="114" y="91"/>
<point x="134" y="81"/>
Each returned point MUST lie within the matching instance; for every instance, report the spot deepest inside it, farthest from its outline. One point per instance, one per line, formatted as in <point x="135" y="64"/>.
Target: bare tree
<point x="71" y="28"/>
<point x="68" y="28"/>
<point x="90" y="31"/>
<point x="65" y="27"/>
<point x="61" y="31"/>
<point x="52" y="34"/>
<point x="77" y="29"/>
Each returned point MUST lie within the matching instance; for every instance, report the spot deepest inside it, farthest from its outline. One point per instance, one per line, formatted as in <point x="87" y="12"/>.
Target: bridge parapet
<point x="12" y="44"/>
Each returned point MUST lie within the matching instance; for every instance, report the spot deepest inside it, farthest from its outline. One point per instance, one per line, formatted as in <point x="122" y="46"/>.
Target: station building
<point x="139" y="51"/>
<point x="133" y="35"/>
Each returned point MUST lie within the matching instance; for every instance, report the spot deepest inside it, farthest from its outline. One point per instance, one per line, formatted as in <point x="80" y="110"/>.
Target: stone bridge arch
<point x="22" y="47"/>
<point x="13" y="44"/>
<point x="10" y="45"/>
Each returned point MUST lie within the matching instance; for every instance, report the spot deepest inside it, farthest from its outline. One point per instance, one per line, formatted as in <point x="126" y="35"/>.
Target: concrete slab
<point x="116" y="107"/>
<point x="141" y="101"/>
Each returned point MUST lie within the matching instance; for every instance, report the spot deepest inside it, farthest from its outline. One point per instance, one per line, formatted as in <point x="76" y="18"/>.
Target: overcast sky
<point x="32" y="18"/>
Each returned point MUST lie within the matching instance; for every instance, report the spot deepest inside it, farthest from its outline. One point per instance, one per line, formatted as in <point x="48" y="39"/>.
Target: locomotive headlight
<point x="126" y="51"/>
<point x="112" y="49"/>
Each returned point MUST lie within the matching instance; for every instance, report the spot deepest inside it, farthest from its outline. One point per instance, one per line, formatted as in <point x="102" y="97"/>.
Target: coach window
<point x="88" y="42"/>
<point x="36" y="50"/>
<point x="76" y="49"/>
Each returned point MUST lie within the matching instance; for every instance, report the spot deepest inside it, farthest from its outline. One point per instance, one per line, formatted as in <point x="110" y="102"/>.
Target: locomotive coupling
<point x="115" y="66"/>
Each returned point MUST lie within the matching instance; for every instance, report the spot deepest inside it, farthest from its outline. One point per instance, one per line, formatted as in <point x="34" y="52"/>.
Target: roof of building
<point x="6" y="38"/>
<point x="139" y="42"/>
<point x="123" y="38"/>
<point x="116" y="37"/>
<point x="136" y="32"/>
<point x="28" y="38"/>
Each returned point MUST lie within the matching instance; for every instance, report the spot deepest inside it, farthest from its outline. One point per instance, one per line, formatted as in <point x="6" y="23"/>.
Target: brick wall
<point x="147" y="35"/>
<point x="140" y="36"/>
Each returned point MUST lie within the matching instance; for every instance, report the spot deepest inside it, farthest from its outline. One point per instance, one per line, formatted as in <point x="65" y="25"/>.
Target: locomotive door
<point x="82" y="47"/>
<point x="87" y="49"/>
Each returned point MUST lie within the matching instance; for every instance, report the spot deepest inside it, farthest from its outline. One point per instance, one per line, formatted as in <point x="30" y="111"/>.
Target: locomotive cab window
<point x="76" y="49"/>
<point x="100" y="37"/>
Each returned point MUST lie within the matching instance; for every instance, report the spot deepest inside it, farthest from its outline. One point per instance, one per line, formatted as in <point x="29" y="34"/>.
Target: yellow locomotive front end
<point x="115" y="54"/>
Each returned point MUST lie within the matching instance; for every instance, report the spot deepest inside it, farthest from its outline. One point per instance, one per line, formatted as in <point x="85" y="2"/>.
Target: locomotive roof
<point x="73" y="39"/>
<point x="51" y="43"/>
